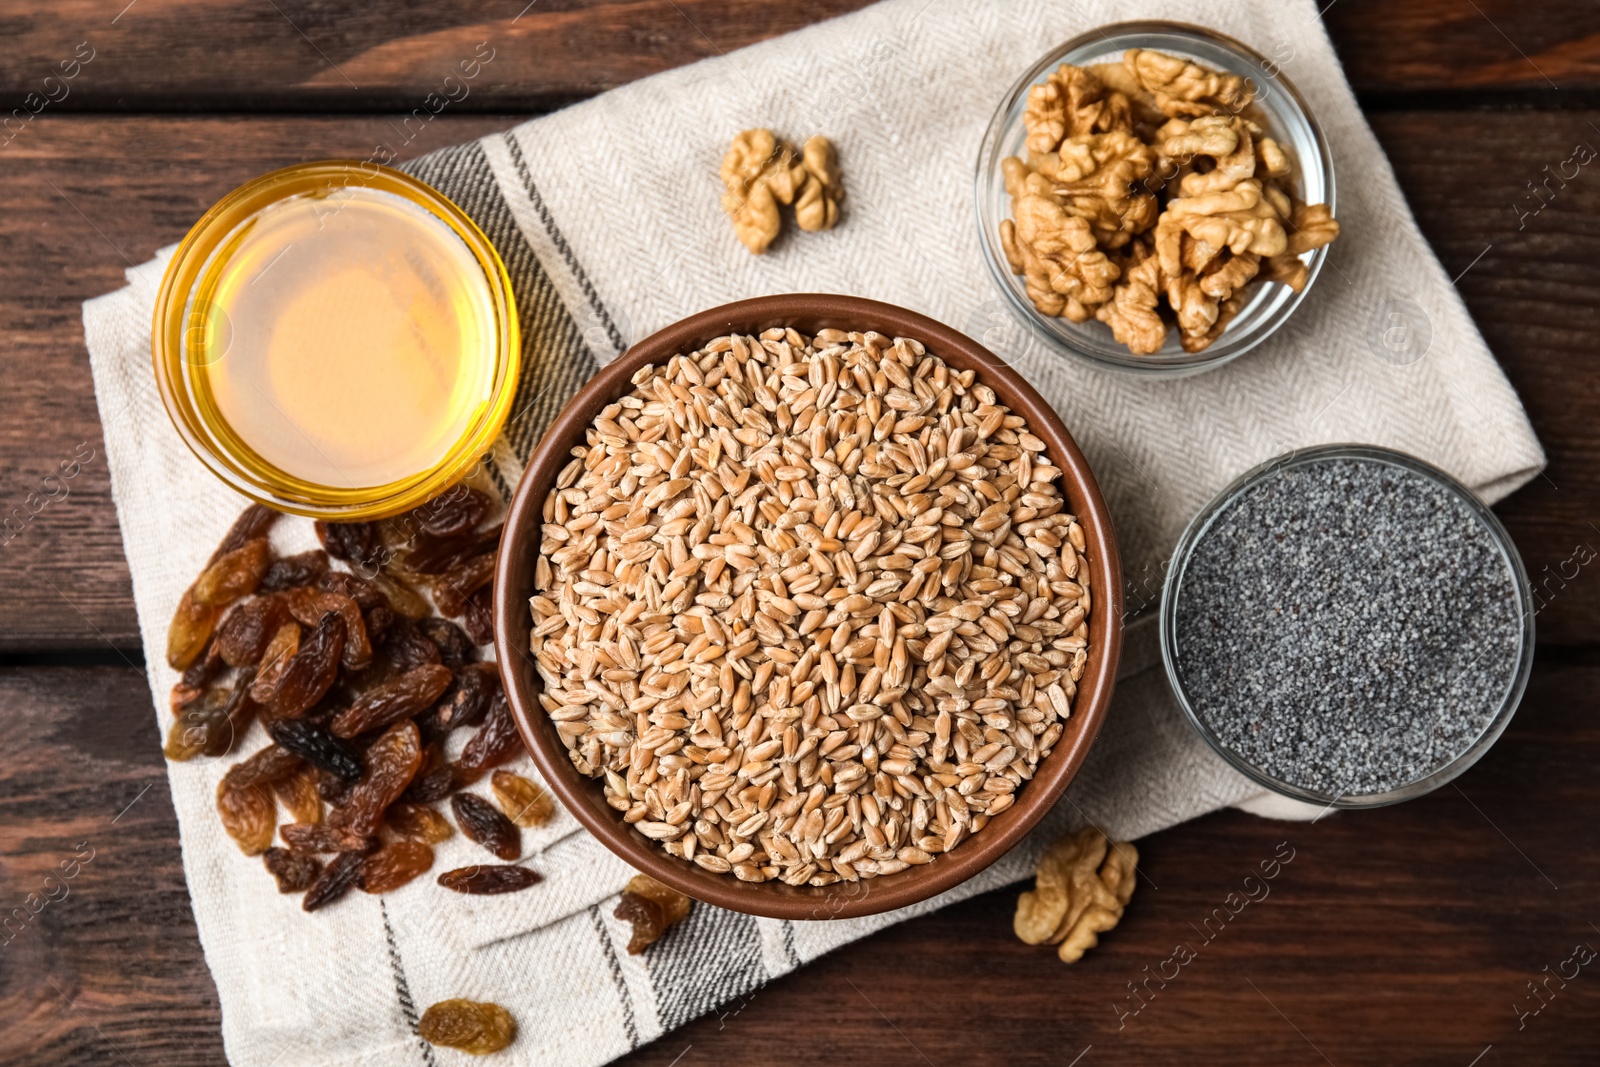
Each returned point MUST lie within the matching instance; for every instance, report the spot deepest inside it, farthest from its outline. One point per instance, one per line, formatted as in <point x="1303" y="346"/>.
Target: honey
<point x="345" y="340"/>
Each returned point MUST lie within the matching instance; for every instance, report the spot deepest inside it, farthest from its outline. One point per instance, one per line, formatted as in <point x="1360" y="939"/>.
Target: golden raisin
<point x="524" y="801"/>
<point x="248" y="814"/>
<point x="393" y="865"/>
<point x="472" y="1026"/>
<point x="418" y="822"/>
<point x="652" y="908"/>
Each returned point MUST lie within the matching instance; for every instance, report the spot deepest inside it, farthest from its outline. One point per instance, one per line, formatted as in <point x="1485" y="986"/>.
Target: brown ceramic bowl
<point x="583" y="796"/>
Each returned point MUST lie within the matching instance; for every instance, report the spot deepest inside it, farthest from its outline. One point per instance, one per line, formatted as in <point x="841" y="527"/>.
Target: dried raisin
<point x="456" y="649"/>
<point x="495" y="742"/>
<point x="408" y="647"/>
<point x="395" y="699"/>
<point x="489" y="878"/>
<point x="418" y="822"/>
<point x="307" y="568"/>
<point x="392" y="762"/>
<point x="472" y="1026"/>
<point x="186" y="738"/>
<point x="478" y="616"/>
<point x="317" y="747"/>
<point x="652" y="908"/>
<point x="252" y="524"/>
<point x="523" y="800"/>
<point x="312" y="670"/>
<point x="191" y="628"/>
<point x="234" y="575"/>
<point x="334" y="881"/>
<point x="275" y="660"/>
<point x="402" y="598"/>
<point x="453" y="512"/>
<point x="353" y="542"/>
<point x="451" y="590"/>
<point x="308" y="606"/>
<point x="480" y="822"/>
<point x="293" y="871"/>
<point x="248" y="814"/>
<point x="438" y="555"/>
<point x="433" y="784"/>
<point x="267" y="767"/>
<point x="467" y="699"/>
<point x="318" y="837"/>
<point x="247" y="631"/>
<point x="395" y="864"/>
<point x="299" y="796"/>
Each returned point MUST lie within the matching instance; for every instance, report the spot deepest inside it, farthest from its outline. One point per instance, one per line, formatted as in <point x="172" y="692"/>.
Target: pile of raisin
<point x="359" y="659"/>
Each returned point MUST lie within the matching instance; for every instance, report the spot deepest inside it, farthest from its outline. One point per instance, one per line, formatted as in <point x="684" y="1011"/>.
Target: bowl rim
<point x="1177" y="365"/>
<point x="582" y="795"/>
<point x="261" y="481"/>
<point x="1201" y="524"/>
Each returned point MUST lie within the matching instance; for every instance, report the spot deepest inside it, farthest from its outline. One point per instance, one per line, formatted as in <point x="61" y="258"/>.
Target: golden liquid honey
<point x="344" y="347"/>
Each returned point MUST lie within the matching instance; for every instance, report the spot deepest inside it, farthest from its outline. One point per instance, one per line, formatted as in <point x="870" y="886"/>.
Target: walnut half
<point x="760" y="173"/>
<point x="1081" y="888"/>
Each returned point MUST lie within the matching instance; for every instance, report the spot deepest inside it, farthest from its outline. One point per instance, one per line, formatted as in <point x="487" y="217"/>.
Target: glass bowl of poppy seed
<point x="1348" y="626"/>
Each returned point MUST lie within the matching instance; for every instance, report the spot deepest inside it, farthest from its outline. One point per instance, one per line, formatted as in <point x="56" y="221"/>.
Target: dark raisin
<point x="379" y="620"/>
<point x="392" y="761"/>
<point x="200" y="724"/>
<point x="488" y="878"/>
<point x="456" y="649"/>
<point x="478" y="616"/>
<point x="467" y="699"/>
<point x="318" y="837"/>
<point x="437" y="555"/>
<point x="496" y="741"/>
<point x="252" y="524"/>
<point x="234" y="575"/>
<point x="249" y="628"/>
<point x="433" y="785"/>
<point x="308" y="606"/>
<point x="353" y="542"/>
<point x="317" y="747"/>
<point x="652" y="908"/>
<point x="334" y="881"/>
<point x="453" y="512"/>
<point x="307" y="568"/>
<point x="395" y="864"/>
<point x="293" y="871"/>
<point x="312" y="669"/>
<point x="481" y="822"/>
<point x="362" y="592"/>
<point x="475" y="1027"/>
<point x="398" y="698"/>
<point x="238" y="712"/>
<point x="333" y="789"/>
<point x="408" y="647"/>
<point x="451" y="590"/>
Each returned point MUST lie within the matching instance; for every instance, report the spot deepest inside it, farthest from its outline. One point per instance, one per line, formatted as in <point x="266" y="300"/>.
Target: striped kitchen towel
<point x="607" y="216"/>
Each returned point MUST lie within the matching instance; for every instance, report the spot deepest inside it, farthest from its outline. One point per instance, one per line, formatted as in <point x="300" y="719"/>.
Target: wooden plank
<point x="1399" y="936"/>
<point x="75" y="223"/>
<point x="212" y="55"/>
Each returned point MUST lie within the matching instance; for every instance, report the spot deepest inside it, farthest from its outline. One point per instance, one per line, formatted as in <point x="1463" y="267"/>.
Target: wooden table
<point x="1403" y="936"/>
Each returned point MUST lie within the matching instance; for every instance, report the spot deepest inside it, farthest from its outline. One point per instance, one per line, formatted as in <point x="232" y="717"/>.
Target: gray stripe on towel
<point x="555" y="360"/>
<point x="711" y="956"/>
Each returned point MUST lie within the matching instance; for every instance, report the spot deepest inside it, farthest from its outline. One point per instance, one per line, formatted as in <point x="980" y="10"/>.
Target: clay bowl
<point x="583" y="796"/>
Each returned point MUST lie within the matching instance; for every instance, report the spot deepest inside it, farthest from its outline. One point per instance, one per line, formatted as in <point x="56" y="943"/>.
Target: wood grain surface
<point x="1402" y="936"/>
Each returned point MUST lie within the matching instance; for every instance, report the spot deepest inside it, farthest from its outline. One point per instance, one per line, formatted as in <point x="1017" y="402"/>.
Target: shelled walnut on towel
<point x="760" y="172"/>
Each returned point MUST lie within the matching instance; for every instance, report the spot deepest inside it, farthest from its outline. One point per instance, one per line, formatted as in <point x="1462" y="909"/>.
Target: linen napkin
<point x="607" y="216"/>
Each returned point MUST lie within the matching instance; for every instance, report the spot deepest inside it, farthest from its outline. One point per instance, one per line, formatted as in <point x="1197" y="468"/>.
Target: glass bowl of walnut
<point x="1154" y="197"/>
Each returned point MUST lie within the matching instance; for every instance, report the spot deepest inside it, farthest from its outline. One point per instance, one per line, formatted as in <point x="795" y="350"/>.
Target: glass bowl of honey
<point x="337" y="339"/>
